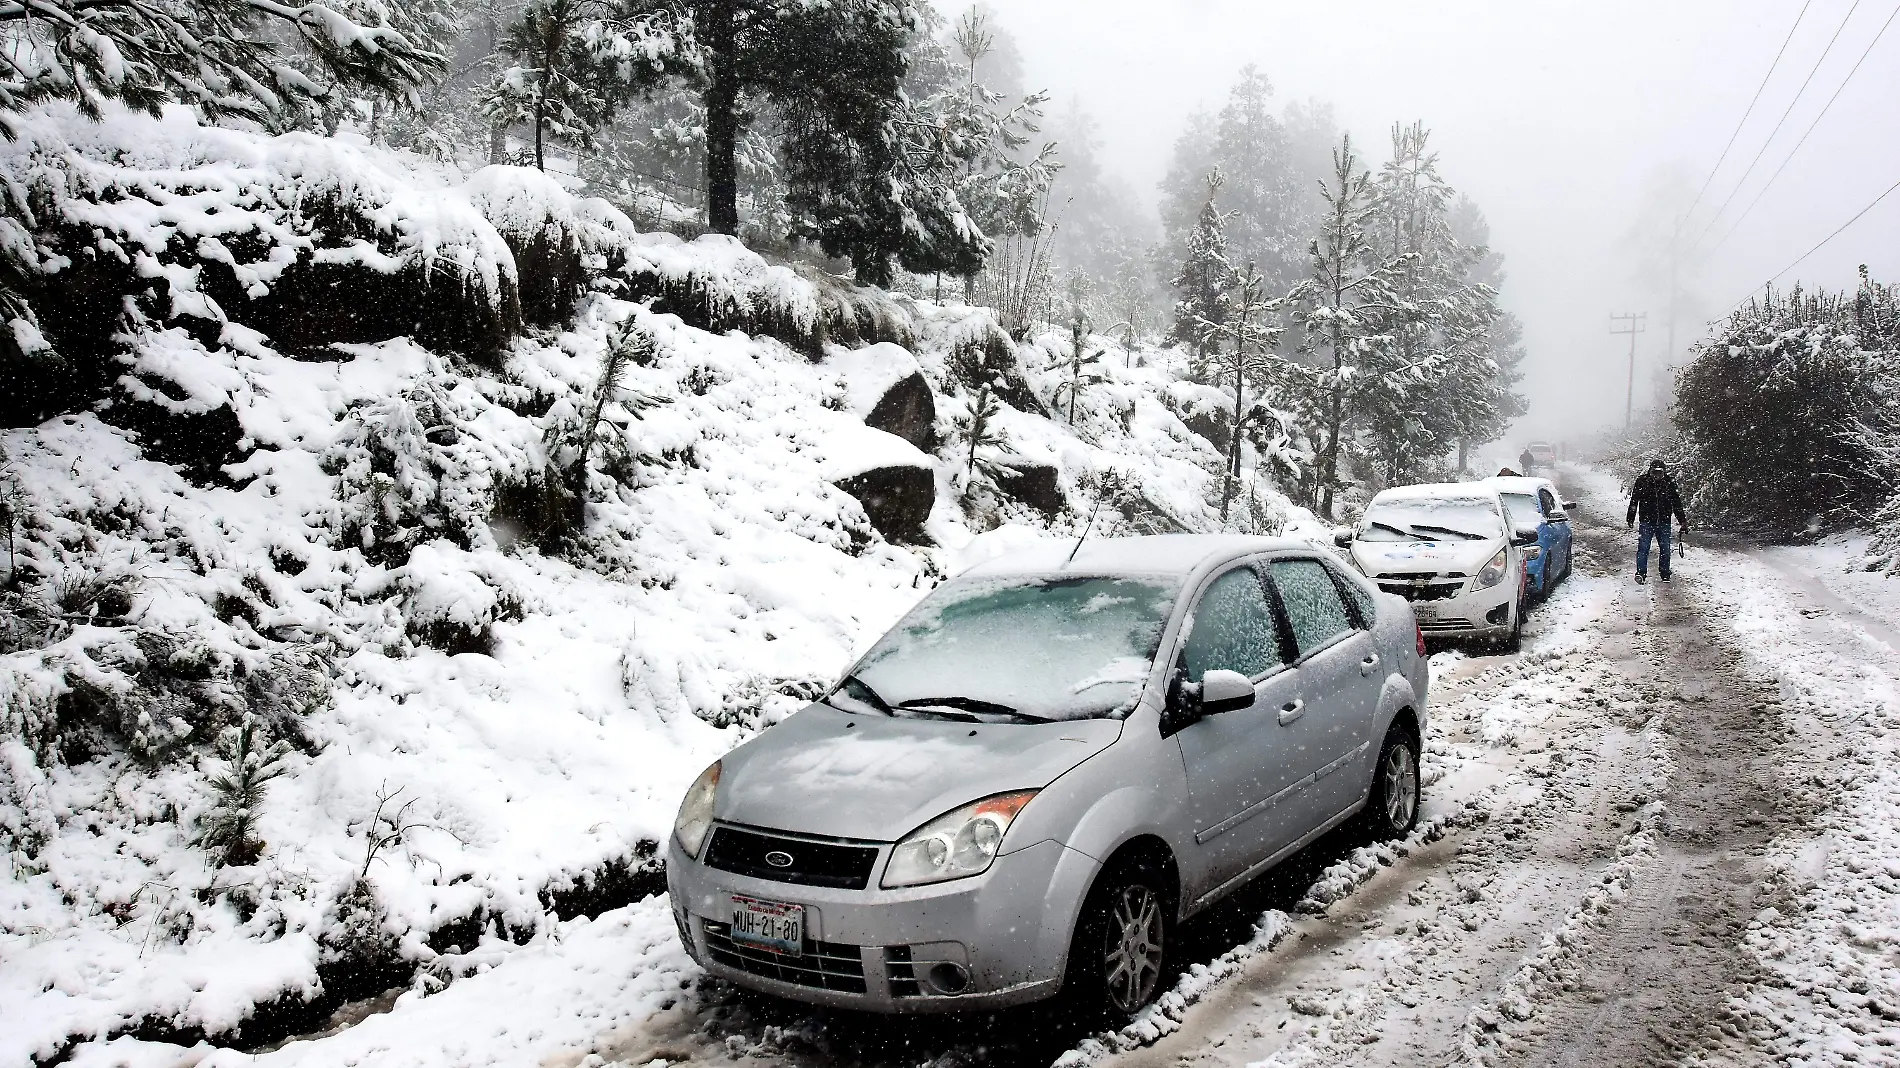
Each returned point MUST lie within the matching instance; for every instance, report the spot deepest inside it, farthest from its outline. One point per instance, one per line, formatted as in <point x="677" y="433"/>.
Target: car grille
<point x="1444" y="624"/>
<point x="824" y="965"/>
<point x="812" y="863"/>
<point x="1430" y="591"/>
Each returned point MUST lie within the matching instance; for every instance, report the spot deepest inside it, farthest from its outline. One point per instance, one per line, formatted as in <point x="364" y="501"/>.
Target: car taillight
<point x="1420" y="631"/>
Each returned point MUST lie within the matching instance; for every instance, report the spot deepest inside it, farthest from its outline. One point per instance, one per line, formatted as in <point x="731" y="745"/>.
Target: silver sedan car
<point x="1044" y="767"/>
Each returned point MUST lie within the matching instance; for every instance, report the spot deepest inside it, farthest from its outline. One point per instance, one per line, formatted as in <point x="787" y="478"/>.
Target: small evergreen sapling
<point x="983" y="433"/>
<point x="251" y="761"/>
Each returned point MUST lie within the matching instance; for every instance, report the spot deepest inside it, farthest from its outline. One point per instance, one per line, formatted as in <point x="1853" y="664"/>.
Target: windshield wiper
<point x="968" y="705"/>
<point x="1465" y="534"/>
<point x="859" y="690"/>
<point x="1387" y="526"/>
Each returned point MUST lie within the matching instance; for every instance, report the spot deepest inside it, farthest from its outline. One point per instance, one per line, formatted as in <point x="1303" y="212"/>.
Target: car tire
<point x="1392" y="804"/>
<point x="1514" y="641"/>
<point x="1118" y="957"/>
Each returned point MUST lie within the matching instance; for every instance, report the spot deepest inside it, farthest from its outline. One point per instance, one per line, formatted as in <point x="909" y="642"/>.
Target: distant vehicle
<point x="1542" y="453"/>
<point x="1043" y="768"/>
<point x="1450" y="549"/>
<point x="1533" y="505"/>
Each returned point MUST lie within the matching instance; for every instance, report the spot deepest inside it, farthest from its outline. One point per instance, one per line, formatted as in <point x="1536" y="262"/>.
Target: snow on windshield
<point x="1051" y="647"/>
<point x="1523" y="508"/>
<point x="1424" y="519"/>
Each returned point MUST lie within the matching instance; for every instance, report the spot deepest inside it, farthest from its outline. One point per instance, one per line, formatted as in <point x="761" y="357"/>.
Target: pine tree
<point x="250" y="763"/>
<point x="1205" y="280"/>
<point x="575" y="63"/>
<point x="1250" y="333"/>
<point x="224" y="57"/>
<point x="1341" y="311"/>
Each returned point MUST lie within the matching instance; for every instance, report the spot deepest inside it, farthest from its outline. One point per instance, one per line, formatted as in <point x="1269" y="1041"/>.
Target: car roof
<point x="1154" y="554"/>
<point x="1522" y="484"/>
<point x="1438" y="491"/>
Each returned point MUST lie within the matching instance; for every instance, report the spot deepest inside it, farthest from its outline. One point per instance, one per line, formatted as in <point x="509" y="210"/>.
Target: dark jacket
<point x="1654" y="499"/>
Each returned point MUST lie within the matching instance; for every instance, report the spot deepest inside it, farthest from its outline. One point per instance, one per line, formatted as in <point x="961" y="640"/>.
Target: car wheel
<point x="1392" y="809"/>
<point x="1514" y="641"/>
<point x="1121" y="943"/>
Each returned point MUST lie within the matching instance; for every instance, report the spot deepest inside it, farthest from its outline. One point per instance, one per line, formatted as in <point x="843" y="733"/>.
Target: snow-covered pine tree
<point x="251" y="761"/>
<point x="1341" y="312"/>
<point x="1206" y="278"/>
<point x="1270" y="162"/>
<point x="226" y="58"/>
<point x="1243" y="354"/>
<point x="574" y="64"/>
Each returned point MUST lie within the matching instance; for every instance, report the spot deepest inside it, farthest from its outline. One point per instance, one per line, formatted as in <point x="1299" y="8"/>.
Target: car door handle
<point x="1291" y="711"/>
<point x="1366" y="665"/>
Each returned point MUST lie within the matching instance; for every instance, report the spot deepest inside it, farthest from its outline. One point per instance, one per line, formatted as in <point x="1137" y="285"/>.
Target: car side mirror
<point x="1342" y="537"/>
<point x="1567" y="505"/>
<point x="1524" y="537"/>
<point x="1225" y="691"/>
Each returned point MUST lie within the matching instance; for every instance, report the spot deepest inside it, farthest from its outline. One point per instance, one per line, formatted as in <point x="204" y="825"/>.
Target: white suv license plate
<point x="769" y="925"/>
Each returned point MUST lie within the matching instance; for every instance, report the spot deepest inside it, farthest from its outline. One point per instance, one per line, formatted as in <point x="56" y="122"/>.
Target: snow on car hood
<point x="875" y="778"/>
<point x="1421" y="557"/>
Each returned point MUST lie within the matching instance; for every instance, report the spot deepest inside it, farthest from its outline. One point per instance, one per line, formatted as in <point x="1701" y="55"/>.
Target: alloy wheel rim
<point x="1134" y="949"/>
<point x="1401" y="787"/>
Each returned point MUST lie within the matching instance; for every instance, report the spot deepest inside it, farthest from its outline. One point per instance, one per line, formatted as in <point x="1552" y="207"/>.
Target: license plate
<point x="1425" y="613"/>
<point x="769" y="925"/>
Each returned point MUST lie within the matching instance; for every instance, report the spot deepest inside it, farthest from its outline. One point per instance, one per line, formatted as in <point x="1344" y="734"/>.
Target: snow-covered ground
<point x="358" y="569"/>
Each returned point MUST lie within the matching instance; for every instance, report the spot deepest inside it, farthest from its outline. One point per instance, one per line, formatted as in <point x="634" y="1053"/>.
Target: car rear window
<point x="1313" y="607"/>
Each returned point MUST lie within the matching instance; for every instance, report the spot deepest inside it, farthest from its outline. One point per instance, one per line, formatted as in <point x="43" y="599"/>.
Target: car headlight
<point x="956" y="844"/>
<point x="696" y="812"/>
<point x="1493" y="572"/>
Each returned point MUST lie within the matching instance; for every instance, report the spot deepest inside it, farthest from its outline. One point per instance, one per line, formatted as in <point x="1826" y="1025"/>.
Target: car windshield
<point x="1009" y="649"/>
<point x="1426" y="519"/>
<point x="1523" y="508"/>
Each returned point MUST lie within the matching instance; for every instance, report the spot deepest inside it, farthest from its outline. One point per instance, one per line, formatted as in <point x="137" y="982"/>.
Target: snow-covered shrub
<point x="717" y="284"/>
<point x="560" y="242"/>
<point x="250" y="761"/>
<point x="452" y="599"/>
<point x="140" y="223"/>
<point x="426" y="463"/>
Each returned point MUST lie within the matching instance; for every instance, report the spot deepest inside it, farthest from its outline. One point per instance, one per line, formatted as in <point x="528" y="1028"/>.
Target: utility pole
<point x="1631" y="324"/>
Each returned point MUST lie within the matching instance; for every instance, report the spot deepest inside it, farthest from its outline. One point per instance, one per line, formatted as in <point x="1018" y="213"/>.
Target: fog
<point x="1580" y="130"/>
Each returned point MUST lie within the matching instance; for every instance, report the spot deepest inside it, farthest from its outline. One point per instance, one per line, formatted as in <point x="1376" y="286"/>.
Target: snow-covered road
<point x="1665" y="833"/>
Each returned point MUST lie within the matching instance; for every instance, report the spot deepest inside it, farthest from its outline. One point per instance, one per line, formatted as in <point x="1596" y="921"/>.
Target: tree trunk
<point x="720" y="37"/>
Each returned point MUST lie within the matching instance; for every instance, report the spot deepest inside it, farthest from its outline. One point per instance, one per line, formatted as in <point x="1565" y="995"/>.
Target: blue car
<point x="1533" y="503"/>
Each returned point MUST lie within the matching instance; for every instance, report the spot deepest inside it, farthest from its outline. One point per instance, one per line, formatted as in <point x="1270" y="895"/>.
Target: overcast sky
<point x="1555" y="117"/>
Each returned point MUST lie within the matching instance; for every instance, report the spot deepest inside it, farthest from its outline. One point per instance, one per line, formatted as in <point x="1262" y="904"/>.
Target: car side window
<point x="1313" y="607"/>
<point x="1356" y="590"/>
<point x="1550" y="504"/>
<point x="1233" y="628"/>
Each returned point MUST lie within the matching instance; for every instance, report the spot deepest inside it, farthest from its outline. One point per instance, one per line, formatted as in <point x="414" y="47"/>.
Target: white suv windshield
<point x="1018" y="648"/>
<point x="1422" y="519"/>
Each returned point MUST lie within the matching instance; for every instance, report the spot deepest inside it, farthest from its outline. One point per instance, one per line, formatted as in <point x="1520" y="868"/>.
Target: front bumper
<point x="1472" y="612"/>
<point x="1007" y="931"/>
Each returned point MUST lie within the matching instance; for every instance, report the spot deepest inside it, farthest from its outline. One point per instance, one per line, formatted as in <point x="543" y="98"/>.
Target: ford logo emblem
<point x="778" y="858"/>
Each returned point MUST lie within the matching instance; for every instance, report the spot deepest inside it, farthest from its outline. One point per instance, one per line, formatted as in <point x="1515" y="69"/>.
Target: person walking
<point x="1653" y="501"/>
<point x="1526" y="461"/>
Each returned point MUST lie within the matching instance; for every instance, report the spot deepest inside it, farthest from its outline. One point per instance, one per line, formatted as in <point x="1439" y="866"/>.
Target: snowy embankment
<point x="347" y="467"/>
<point x="1827" y="943"/>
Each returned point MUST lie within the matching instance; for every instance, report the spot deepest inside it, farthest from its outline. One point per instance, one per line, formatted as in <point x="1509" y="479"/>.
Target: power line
<point x="1750" y="169"/>
<point x="1631" y="324"/>
<point x="1746" y="112"/>
<point x="1817" y="245"/>
<point x="1804" y="136"/>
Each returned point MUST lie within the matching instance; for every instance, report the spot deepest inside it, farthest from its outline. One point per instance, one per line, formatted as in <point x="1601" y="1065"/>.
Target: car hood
<point x="1424" y="557"/>
<point x="876" y="778"/>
